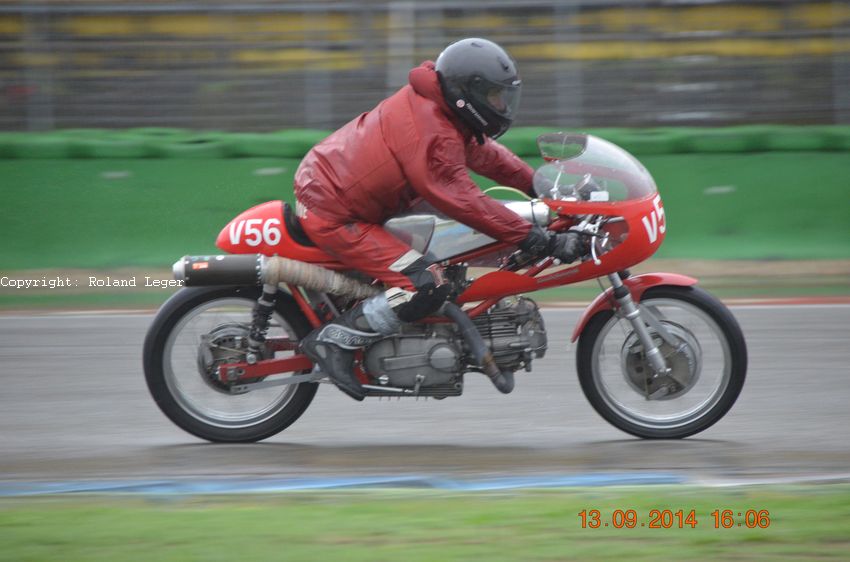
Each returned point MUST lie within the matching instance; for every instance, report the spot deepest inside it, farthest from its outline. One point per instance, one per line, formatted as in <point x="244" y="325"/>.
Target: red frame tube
<point x="304" y="306"/>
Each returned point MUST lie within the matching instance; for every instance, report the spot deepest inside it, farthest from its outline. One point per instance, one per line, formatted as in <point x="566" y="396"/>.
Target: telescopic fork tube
<point x="632" y="313"/>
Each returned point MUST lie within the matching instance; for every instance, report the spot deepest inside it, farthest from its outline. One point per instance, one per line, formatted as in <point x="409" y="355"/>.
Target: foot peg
<point x="352" y="389"/>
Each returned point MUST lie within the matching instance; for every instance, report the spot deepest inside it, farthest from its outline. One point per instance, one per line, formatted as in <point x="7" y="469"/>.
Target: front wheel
<point x="202" y="327"/>
<point x="705" y="351"/>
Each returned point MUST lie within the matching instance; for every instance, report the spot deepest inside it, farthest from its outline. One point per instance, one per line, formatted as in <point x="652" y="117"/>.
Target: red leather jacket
<point x="411" y="145"/>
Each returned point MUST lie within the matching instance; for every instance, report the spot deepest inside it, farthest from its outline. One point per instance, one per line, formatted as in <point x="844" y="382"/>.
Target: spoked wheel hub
<point x="684" y="359"/>
<point x="227" y="343"/>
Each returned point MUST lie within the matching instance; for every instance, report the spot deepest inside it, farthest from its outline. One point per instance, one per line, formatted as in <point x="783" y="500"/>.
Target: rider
<point x="416" y="144"/>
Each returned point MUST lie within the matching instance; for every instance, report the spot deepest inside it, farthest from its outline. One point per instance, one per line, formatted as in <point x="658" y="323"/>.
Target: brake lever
<point x="596" y="260"/>
<point x="590" y="227"/>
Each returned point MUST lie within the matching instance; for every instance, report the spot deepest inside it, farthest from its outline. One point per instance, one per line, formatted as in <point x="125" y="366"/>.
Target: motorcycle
<point x="657" y="356"/>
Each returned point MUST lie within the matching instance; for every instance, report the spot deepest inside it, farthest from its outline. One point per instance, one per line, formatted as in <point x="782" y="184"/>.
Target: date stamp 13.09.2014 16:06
<point x="674" y="519"/>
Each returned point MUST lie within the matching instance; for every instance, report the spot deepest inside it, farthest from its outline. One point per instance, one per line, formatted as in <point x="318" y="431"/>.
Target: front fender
<point x="637" y="286"/>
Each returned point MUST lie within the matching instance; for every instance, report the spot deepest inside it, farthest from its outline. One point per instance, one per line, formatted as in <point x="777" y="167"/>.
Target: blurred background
<point x="158" y="121"/>
<point x="261" y="66"/>
<point x="132" y="131"/>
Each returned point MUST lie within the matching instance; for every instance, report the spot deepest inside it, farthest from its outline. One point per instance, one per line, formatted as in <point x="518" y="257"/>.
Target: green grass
<point x="764" y="206"/>
<point x="806" y="523"/>
<point x="115" y="213"/>
<point x="74" y="214"/>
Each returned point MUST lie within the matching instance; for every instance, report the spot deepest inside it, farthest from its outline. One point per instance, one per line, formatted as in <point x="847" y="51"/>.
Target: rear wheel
<point x="201" y="328"/>
<point x="707" y="358"/>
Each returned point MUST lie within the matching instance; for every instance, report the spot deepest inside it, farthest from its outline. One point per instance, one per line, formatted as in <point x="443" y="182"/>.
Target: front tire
<point x="709" y="366"/>
<point x="195" y="402"/>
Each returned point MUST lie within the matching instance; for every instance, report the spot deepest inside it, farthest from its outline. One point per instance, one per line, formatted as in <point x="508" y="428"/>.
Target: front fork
<point x="632" y="313"/>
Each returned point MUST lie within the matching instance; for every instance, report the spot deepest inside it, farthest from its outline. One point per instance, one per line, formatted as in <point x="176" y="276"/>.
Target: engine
<point x="430" y="359"/>
<point x="514" y="331"/>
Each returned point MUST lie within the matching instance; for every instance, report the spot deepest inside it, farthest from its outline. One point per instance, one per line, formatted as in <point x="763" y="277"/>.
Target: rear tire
<point x="624" y="407"/>
<point x="219" y="421"/>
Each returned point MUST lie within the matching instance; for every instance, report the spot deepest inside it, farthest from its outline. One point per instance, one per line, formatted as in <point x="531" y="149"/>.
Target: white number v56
<point x="655" y="223"/>
<point x="254" y="234"/>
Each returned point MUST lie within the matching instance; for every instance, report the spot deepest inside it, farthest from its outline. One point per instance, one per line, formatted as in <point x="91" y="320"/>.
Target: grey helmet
<point x="481" y="84"/>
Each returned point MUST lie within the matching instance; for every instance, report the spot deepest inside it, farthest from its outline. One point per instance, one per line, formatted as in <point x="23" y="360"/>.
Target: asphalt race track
<point x="74" y="406"/>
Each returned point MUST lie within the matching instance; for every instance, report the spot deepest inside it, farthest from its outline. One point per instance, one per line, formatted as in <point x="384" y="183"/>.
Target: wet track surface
<point x="74" y="405"/>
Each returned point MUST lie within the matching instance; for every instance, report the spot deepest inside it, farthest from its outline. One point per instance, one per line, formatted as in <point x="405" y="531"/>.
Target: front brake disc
<point x="684" y="361"/>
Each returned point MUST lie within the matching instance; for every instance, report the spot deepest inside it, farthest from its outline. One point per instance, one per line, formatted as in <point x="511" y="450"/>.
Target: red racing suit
<point x="410" y="146"/>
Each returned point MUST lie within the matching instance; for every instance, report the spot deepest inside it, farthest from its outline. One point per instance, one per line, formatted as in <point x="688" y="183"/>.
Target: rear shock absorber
<point x="261" y="318"/>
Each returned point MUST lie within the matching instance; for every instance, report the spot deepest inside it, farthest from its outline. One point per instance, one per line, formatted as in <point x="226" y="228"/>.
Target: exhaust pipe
<point x="502" y="380"/>
<point x="256" y="269"/>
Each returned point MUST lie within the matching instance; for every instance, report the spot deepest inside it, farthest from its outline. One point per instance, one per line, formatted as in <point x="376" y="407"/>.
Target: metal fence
<point x="234" y="66"/>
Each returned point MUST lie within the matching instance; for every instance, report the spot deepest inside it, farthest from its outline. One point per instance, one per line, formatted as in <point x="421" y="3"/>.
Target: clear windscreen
<point x="582" y="167"/>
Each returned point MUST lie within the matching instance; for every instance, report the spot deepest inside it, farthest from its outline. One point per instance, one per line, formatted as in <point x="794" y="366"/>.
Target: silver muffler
<point x="256" y="269"/>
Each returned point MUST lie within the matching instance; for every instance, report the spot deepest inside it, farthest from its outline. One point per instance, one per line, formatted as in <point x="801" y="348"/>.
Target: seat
<point x="293" y="227"/>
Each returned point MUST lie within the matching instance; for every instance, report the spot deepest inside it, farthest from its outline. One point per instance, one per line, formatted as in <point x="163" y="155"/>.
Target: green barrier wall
<point x="143" y="197"/>
<point x="182" y="144"/>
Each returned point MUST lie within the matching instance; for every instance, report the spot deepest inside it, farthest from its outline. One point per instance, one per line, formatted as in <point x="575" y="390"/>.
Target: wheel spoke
<point x="198" y="390"/>
<point x="700" y="362"/>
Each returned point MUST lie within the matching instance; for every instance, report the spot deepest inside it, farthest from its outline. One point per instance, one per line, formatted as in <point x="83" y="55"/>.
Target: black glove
<point x="537" y="243"/>
<point x="565" y="247"/>
<point x="432" y="290"/>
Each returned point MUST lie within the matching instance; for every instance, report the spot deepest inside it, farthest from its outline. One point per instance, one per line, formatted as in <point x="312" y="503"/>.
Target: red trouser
<point x="362" y="246"/>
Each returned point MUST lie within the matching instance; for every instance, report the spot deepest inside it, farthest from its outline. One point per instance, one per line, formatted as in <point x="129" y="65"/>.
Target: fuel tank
<point x="427" y="231"/>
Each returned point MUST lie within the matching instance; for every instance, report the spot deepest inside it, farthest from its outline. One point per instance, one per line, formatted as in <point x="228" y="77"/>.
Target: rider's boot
<point x="331" y="347"/>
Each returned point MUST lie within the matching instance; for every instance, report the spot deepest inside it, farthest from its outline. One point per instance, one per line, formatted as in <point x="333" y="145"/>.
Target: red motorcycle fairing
<point x="637" y="286"/>
<point x="261" y="230"/>
<point x="640" y="234"/>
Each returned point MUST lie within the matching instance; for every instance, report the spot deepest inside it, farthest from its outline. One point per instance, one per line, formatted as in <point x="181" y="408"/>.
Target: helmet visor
<point x="501" y="99"/>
